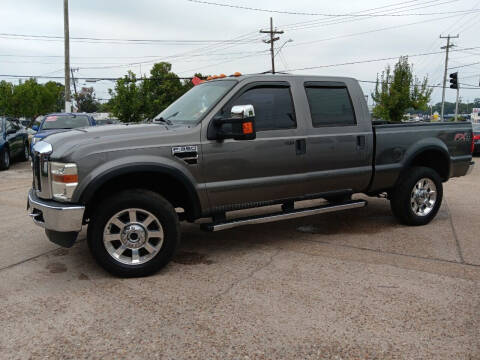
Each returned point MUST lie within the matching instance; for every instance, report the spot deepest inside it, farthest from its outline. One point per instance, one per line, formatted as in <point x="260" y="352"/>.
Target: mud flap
<point x="64" y="239"/>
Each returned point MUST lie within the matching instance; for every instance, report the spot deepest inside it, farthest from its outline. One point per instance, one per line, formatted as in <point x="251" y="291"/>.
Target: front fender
<point x="122" y="166"/>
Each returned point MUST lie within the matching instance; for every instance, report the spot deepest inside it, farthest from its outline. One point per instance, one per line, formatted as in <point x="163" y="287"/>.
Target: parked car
<point x="60" y="122"/>
<point x="231" y="144"/>
<point x="13" y="142"/>
<point x="476" y="138"/>
<point x="101" y="122"/>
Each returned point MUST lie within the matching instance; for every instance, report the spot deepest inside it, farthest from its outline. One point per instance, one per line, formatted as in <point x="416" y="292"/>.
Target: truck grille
<point x="41" y="181"/>
<point x="37" y="184"/>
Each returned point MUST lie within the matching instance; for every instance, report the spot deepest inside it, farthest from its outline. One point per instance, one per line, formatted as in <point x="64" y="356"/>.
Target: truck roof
<point x="282" y="76"/>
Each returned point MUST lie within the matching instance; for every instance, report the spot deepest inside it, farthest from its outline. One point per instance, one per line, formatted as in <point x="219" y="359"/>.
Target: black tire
<point x="5" y="159"/>
<point x="401" y="196"/>
<point x="137" y="199"/>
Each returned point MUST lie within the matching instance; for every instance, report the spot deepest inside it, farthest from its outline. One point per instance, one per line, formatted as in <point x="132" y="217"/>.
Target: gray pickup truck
<point x="231" y="144"/>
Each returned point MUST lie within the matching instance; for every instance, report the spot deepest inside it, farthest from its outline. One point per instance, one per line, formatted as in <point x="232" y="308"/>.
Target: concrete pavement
<point x="349" y="285"/>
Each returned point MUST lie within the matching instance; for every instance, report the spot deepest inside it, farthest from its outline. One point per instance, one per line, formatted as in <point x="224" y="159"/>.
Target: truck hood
<point x="77" y="143"/>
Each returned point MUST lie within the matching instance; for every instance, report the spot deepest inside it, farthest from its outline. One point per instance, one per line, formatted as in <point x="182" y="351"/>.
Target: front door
<point x="267" y="168"/>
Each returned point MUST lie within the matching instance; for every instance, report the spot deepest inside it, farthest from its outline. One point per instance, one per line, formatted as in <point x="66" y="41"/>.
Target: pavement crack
<point x="455" y="236"/>
<point x="392" y="253"/>
<point x="216" y="298"/>
<point x="35" y="257"/>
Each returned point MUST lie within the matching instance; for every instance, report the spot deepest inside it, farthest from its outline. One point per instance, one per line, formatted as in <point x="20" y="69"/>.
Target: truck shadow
<point x="365" y="228"/>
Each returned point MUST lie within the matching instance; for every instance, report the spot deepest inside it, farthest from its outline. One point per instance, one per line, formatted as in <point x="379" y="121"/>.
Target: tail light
<point x="474" y="138"/>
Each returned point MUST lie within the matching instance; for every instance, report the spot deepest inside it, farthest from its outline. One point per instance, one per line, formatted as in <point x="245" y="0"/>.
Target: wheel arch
<point x="169" y="182"/>
<point x="434" y="156"/>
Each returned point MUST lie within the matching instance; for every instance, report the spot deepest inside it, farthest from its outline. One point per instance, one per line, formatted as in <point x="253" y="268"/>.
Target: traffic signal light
<point x="454" y="80"/>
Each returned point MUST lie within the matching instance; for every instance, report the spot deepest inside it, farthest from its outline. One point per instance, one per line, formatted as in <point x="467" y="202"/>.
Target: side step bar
<point x="293" y="214"/>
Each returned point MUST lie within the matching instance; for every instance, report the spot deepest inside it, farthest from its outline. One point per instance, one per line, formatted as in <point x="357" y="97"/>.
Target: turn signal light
<point x="66" y="179"/>
<point x="247" y="128"/>
<point x="237" y="74"/>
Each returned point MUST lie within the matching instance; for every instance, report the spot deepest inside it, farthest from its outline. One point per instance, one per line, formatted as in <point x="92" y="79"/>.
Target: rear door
<point x="267" y="168"/>
<point x="340" y="137"/>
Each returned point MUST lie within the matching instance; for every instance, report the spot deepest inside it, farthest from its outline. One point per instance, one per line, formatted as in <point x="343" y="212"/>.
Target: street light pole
<point x="68" y="99"/>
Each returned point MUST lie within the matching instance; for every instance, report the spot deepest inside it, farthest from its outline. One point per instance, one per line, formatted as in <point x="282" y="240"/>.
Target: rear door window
<point x="330" y="106"/>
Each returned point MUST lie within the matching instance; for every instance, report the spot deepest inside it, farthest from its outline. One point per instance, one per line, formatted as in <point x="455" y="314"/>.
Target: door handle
<point x="300" y="146"/>
<point x="361" y="142"/>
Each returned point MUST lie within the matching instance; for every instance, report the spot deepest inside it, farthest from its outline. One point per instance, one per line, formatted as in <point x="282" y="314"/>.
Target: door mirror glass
<point x="240" y="125"/>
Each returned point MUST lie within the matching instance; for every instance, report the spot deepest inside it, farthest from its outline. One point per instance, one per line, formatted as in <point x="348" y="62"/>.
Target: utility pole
<point x="272" y="40"/>
<point x="68" y="98"/>
<point x="447" y="48"/>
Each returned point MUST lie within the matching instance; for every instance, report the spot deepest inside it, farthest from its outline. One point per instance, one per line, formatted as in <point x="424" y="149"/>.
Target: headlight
<point x="64" y="180"/>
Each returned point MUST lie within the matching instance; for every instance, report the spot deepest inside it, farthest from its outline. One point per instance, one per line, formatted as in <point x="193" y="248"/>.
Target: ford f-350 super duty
<point x="230" y="144"/>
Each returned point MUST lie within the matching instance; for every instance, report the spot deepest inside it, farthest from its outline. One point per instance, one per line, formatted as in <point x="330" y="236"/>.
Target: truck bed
<point x="398" y="145"/>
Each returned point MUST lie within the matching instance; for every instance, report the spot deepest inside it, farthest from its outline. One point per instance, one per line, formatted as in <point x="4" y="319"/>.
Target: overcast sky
<point x="317" y="40"/>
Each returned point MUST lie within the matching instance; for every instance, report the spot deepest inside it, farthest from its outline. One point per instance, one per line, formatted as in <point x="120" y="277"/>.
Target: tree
<point x="86" y="100"/>
<point x="127" y="102"/>
<point x="161" y="89"/>
<point x="134" y="100"/>
<point x="6" y="98"/>
<point x="394" y="93"/>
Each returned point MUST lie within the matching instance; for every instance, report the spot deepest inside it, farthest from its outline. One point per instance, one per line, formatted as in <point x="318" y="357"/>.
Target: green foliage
<point x="30" y="99"/>
<point x="395" y="92"/>
<point x="127" y="102"/>
<point x="134" y="100"/>
<point x="463" y="108"/>
<point x="86" y="101"/>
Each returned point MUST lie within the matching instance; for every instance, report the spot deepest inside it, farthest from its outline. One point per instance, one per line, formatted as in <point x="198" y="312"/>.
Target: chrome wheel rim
<point x="26" y="151"/>
<point x="133" y="236"/>
<point x="423" y="197"/>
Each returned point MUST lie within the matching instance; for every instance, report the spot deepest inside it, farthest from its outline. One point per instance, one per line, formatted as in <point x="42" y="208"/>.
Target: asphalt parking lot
<point x="349" y="285"/>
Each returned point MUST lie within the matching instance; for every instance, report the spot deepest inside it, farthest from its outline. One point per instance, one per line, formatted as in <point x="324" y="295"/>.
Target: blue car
<point x="54" y="123"/>
<point x="13" y="142"/>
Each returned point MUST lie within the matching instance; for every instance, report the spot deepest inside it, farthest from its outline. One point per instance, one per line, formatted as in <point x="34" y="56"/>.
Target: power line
<point x="371" y="31"/>
<point x="117" y="40"/>
<point x="325" y="14"/>
<point x="429" y="86"/>
<point x="330" y="22"/>
<point x="462" y="66"/>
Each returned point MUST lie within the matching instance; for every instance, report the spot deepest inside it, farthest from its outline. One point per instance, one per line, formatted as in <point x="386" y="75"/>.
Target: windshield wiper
<point x="166" y="121"/>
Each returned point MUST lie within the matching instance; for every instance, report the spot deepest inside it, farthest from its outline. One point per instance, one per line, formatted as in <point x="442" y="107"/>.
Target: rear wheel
<point x="417" y="197"/>
<point x="134" y="233"/>
<point x="4" y="159"/>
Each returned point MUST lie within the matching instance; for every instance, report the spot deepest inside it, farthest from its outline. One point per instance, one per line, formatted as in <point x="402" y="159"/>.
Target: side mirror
<point x="35" y="127"/>
<point x="240" y="125"/>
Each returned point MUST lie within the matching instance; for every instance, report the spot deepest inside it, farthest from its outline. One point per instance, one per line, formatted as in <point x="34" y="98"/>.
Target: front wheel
<point x="417" y="197"/>
<point x="134" y="233"/>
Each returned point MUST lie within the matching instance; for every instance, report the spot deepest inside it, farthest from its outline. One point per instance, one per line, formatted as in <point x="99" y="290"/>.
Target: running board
<point x="293" y="214"/>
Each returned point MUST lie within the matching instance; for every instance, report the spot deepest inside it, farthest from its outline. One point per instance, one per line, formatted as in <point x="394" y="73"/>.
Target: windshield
<point x="193" y="105"/>
<point x="65" y="122"/>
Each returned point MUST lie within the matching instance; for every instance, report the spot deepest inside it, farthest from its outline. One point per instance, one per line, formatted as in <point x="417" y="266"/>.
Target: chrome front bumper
<point x="470" y="168"/>
<point x="55" y="216"/>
